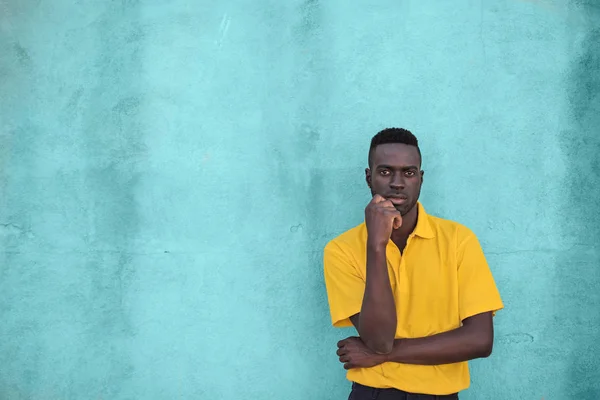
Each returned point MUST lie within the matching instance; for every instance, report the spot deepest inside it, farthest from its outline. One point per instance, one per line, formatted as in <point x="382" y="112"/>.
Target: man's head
<point x="395" y="168"/>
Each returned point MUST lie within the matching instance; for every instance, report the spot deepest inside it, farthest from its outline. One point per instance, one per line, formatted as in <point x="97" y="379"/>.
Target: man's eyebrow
<point x="384" y="166"/>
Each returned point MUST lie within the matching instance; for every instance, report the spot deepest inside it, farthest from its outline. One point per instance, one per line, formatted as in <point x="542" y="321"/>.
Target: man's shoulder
<point x="449" y="227"/>
<point x="350" y="238"/>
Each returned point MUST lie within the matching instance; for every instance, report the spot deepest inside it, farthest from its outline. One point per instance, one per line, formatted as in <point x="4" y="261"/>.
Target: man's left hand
<point x="353" y="353"/>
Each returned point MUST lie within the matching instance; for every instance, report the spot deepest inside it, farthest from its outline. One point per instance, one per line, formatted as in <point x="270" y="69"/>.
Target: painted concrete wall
<point x="170" y="172"/>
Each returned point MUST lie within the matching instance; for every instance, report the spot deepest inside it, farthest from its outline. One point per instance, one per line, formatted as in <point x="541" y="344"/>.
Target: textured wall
<point x="168" y="185"/>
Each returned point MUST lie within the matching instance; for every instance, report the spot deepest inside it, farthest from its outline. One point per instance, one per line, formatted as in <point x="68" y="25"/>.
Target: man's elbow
<point x="381" y="346"/>
<point x="484" y="348"/>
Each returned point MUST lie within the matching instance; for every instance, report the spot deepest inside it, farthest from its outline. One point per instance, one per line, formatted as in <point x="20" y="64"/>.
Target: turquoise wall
<point x="168" y="183"/>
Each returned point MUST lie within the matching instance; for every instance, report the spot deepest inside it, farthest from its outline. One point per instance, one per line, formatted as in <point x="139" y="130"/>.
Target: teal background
<point x="171" y="170"/>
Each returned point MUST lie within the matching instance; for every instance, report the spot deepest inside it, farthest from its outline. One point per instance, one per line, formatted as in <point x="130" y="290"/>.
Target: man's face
<point x="395" y="173"/>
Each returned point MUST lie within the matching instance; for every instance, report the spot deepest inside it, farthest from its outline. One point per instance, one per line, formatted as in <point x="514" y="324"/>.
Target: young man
<point x="417" y="288"/>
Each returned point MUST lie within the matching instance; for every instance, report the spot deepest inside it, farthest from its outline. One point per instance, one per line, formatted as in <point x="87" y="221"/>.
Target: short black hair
<point x="394" y="135"/>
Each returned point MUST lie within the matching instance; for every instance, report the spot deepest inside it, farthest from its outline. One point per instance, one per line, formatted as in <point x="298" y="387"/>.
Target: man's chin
<point x="401" y="209"/>
<point x="404" y="209"/>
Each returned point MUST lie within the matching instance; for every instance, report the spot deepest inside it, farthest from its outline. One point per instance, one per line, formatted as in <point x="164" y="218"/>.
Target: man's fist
<point x="381" y="218"/>
<point x="353" y="353"/>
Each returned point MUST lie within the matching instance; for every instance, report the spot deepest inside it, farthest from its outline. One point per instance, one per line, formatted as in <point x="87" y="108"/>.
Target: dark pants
<point x="361" y="392"/>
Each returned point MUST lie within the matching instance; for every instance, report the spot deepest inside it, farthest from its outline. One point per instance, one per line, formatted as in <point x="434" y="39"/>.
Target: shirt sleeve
<point x="345" y="286"/>
<point x="477" y="291"/>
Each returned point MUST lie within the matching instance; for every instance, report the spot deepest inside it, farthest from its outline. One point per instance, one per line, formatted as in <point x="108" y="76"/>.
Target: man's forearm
<point x="378" y="321"/>
<point x="458" y="345"/>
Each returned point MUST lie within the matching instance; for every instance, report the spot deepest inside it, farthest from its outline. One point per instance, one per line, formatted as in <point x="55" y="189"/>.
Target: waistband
<point x="376" y="391"/>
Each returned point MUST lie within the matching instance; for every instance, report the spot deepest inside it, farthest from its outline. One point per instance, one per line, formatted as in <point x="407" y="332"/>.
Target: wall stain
<point x="223" y="29"/>
<point x="136" y="35"/>
<point x="15" y="231"/>
<point x="72" y="110"/>
<point x="114" y="142"/>
<point x="74" y="100"/>
<point x="579" y="275"/>
<point x="127" y="106"/>
<point x="296" y="156"/>
<point x="22" y="55"/>
<point x="296" y="228"/>
<point x="516" y="338"/>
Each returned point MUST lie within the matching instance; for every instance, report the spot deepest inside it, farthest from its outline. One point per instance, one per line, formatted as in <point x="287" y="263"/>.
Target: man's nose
<point x="397" y="182"/>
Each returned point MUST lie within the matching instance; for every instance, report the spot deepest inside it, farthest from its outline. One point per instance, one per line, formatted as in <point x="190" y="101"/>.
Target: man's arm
<point x="378" y="321"/>
<point x="472" y="340"/>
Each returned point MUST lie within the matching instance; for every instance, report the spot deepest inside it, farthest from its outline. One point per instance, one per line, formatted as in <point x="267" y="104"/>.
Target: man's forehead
<point x="396" y="154"/>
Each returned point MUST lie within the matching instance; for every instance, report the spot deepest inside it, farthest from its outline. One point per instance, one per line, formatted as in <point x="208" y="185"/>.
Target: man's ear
<point x="422" y="173"/>
<point x="368" y="176"/>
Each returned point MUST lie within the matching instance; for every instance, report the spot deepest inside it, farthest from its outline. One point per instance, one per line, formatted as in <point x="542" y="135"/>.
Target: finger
<point x="341" y="351"/>
<point x="344" y="359"/>
<point x="389" y="207"/>
<point x="397" y="222"/>
<point x="341" y="343"/>
<point x="386" y="204"/>
<point x="393" y="214"/>
<point x="392" y="211"/>
<point x="378" y="199"/>
<point x="348" y="366"/>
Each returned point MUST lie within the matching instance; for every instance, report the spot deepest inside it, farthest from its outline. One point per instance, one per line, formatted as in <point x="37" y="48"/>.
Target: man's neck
<point x="409" y="222"/>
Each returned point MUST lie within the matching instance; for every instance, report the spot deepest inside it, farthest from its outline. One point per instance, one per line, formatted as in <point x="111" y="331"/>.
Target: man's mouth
<point x="397" y="199"/>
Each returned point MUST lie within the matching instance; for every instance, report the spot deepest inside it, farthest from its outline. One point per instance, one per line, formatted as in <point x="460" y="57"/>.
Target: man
<point x="417" y="288"/>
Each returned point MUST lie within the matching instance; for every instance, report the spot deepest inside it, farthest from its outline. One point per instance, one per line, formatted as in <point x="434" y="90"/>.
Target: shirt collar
<point x="423" y="228"/>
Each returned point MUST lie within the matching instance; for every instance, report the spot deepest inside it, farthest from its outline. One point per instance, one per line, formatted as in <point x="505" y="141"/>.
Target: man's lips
<point x="397" y="199"/>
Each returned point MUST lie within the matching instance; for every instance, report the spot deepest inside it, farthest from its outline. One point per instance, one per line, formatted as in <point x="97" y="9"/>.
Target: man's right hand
<point x="378" y="320"/>
<point x="381" y="219"/>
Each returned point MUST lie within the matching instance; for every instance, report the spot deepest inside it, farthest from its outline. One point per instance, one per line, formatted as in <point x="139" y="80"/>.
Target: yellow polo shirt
<point x="441" y="279"/>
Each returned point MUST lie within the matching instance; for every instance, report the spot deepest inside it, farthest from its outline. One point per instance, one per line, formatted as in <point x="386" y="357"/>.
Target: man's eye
<point x="410" y="173"/>
<point x="384" y="172"/>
